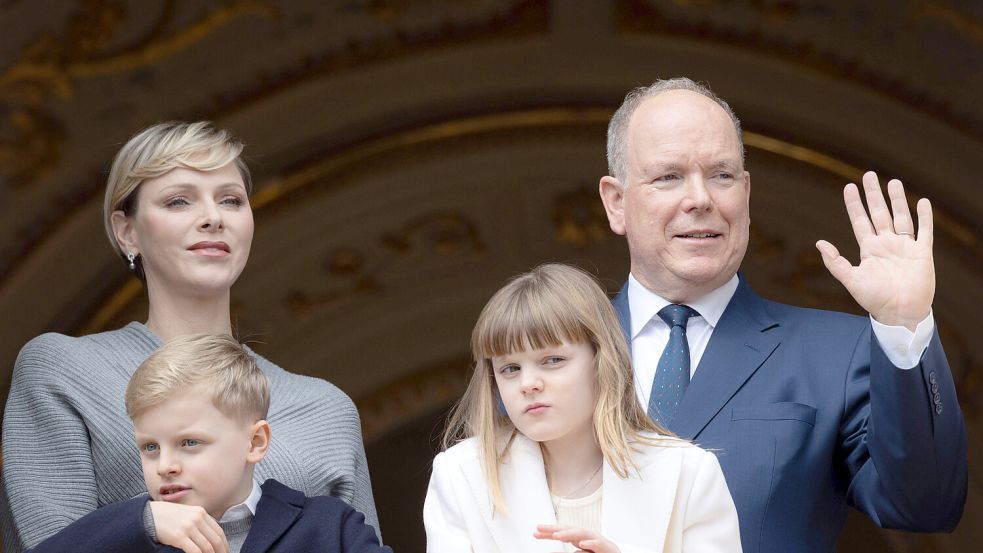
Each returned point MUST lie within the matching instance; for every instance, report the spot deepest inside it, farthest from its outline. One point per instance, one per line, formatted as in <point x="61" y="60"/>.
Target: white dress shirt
<point x="650" y="334"/>
<point x="245" y="509"/>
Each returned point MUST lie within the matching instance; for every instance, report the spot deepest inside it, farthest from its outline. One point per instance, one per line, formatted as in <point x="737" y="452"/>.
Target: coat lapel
<point x="621" y="307"/>
<point x="524" y="488"/>
<point x="276" y="512"/>
<point x="743" y="339"/>
<point x="637" y="510"/>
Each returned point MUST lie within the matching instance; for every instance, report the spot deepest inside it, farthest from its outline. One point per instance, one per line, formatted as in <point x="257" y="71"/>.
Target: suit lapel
<point x="623" y="310"/>
<point x="743" y="339"/>
<point x="637" y="510"/>
<point x="276" y="512"/>
<point x="524" y="489"/>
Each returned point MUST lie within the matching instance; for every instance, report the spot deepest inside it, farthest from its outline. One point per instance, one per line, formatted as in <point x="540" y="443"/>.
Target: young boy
<point x="198" y="406"/>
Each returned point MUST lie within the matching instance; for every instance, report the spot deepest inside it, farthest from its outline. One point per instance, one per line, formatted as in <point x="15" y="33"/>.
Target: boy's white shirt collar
<point x="245" y="509"/>
<point x="646" y="304"/>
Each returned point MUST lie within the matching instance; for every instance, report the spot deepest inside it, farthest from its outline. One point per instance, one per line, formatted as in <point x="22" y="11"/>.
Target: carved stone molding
<point x="923" y="53"/>
<point x="31" y="136"/>
<point x="442" y="233"/>
<point x="425" y="390"/>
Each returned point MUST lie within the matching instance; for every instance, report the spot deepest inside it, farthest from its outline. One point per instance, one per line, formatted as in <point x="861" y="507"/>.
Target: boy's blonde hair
<point x="159" y="149"/>
<point x="217" y="362"/>
<point x="552" y="304"/>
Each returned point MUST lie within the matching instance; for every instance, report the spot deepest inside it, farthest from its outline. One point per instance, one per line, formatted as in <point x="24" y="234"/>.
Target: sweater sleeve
<point x="333" y="431"/>
<point x="48" y="474"/>
<point x="117" y="527"/>
<point x="363" y="502"/>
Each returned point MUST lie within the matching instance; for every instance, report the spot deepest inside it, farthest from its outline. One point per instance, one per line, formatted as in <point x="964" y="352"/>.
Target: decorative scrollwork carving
<point x="579" y="217"/>
<point x="443" y="232"/>
<point x="411" y="396"/>
<point x="446" y="232"/>
<point x="30" y="136"/>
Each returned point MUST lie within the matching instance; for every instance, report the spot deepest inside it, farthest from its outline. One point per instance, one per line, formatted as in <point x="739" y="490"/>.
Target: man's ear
<point x="259" y="441"/>
<point x="747" y="193"/>
<point x="123" y="230"/>
<point x="613" y="197"/>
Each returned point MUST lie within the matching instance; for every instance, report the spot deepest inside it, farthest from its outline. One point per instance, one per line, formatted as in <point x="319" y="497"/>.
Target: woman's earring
<point x="131" y="257"/>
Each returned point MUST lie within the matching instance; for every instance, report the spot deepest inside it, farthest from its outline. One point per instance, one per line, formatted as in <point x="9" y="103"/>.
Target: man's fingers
<point x="836" y="264"/>
<point x="899" y="206"/>
<point x="926" y="222"/>
<point x="856" y="212"/>
<point x="880" y="215"/>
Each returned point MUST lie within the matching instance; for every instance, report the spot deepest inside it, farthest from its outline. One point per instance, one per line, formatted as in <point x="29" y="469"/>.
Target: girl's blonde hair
<point x="549" y="305"/>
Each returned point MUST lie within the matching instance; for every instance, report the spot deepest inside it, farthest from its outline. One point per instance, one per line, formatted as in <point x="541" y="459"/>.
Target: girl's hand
<point x="585" y="540"/>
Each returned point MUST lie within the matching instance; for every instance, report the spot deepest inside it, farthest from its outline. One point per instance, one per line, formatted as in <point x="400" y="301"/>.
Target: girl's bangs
<point x="528" y="319"/>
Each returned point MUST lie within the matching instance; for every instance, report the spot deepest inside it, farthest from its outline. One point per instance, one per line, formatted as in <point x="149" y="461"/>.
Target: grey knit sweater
<point x="68" y="445"/>
<point x="236" y="532"/>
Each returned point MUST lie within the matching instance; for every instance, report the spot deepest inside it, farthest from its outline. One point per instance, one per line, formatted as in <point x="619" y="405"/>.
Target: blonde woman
<point x="177" y="212"/>
<point x="573" y="462"/>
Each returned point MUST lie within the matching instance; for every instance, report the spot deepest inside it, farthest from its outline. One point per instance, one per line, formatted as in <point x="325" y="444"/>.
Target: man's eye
<point x="668" y="177"/>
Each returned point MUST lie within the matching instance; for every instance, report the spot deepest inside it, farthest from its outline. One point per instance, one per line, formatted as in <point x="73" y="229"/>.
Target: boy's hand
<point x="188" y="528"/>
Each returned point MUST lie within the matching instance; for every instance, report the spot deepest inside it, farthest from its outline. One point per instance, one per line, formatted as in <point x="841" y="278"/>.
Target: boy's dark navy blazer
<point x="286" y="521"/>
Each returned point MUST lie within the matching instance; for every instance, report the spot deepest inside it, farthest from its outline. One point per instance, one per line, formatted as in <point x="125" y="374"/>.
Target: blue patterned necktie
<point x="672" y="374"/>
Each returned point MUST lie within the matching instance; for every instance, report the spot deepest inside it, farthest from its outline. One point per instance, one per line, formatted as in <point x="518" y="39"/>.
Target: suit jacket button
<point x="935" y="387"/>
<point x="937" y="398"/>
<point x="938" y="409"/>
<point x="931" y="377"/>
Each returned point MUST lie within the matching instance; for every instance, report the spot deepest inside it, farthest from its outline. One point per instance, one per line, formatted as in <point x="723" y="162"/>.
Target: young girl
<point x="553" y="450"/>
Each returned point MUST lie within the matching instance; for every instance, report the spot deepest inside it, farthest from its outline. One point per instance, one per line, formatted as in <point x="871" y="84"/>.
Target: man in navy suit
<point x="809" y="411"/>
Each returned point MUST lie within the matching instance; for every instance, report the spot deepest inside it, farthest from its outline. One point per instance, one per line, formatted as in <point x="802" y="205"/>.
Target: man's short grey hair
<point x="618" y="126"/>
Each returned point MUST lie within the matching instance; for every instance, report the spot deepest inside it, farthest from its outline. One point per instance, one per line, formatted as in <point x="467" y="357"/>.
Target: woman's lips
<point x="216" y="249"/>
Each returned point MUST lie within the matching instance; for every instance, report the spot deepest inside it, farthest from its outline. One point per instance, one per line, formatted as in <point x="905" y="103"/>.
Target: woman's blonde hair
<point x="216" y="362"/>
<point x="157" y="150"/>
<point x="549" y="305"/>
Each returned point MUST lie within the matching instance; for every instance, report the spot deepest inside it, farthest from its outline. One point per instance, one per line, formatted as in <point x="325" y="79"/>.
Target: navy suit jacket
<point x="807" y="415"/>
<point x="286" y="521"/>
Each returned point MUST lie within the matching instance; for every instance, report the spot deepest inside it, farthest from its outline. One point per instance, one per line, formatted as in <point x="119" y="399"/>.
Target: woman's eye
<point x="509" y="369"/>
<point x="177" y="202"/>
<point x="233" y="201"/>
<point x="553" y="360"/>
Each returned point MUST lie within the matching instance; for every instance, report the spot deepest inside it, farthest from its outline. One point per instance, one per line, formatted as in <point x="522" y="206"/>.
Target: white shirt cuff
<point x="903" y="347"/>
